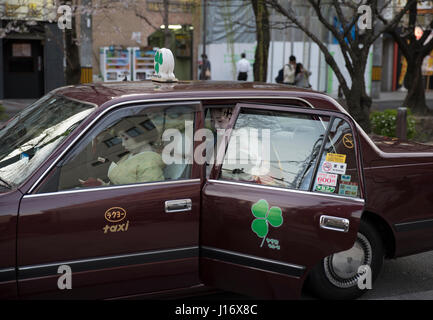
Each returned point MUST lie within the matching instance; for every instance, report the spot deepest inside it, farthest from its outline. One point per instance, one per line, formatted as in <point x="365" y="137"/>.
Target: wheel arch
<point x="384" y="230"/>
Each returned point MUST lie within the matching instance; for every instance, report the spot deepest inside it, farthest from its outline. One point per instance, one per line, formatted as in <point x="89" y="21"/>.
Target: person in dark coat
<point x="205" y="68"/>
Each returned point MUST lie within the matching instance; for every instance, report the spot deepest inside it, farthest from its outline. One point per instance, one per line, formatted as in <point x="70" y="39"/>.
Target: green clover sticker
<point x="158" y="60"/>
<point x="264" y="215"/>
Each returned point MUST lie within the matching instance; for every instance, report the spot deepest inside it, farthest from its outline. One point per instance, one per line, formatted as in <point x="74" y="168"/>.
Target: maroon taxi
<point x="84" y="183"/>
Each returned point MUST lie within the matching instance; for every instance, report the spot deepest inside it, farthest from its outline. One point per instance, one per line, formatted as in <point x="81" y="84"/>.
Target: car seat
<point x="181" y="168"/>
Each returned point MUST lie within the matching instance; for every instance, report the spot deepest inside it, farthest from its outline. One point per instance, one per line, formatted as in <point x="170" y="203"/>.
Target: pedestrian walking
<point x="290" y="71"/>
<point x="205" y="73"/>
<point x="243" y="67"/>
<point x="301" y="76"/>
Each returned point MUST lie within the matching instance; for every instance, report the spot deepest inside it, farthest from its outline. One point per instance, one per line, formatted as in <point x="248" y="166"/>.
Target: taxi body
<point x="329" y="201"/>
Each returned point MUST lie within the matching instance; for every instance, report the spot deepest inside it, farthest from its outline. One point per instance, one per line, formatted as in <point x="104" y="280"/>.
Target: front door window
<point x="129" y="148"/>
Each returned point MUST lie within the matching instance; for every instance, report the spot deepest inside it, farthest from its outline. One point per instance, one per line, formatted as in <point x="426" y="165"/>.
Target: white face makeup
<point x="130" y="144"/>
<point x="221" y="118"/>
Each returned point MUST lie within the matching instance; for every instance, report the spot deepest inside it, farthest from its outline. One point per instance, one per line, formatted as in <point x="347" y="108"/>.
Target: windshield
<point x="30" y="137"/>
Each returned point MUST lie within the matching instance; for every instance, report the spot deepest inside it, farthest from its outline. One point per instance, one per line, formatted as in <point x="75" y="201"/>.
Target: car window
<point x="274" y="148"/>
<point x="216" y="121"/>
<point x="29" y="138"/>
<point x="133" y="145"/>
<point x="337" y="172"/>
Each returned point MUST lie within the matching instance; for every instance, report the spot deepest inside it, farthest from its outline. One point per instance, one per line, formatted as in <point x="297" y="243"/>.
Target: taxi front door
<point x="114" y="240"/>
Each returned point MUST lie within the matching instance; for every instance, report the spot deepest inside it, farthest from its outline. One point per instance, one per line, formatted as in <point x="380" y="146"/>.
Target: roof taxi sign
<point x="164" y="66"/>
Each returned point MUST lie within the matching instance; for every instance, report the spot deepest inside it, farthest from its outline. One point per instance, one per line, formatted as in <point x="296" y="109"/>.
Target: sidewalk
<point x="400" y="95"/>
<point x="393" y="100"/>
<point x="396" y="96"/>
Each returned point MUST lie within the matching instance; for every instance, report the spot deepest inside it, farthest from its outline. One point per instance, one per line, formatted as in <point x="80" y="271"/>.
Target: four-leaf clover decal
<point x="158" y="60"/>
<point x="265" y="216"/>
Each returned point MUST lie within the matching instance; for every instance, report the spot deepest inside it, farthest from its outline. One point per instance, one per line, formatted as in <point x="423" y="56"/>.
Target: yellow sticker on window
<point x="335" y="157"/>
<point x="348" y="141"/>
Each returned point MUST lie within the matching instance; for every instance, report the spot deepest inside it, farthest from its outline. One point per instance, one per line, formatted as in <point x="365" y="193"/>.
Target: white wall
<point x="321" y="79"/>
<point x="220" y="57"/>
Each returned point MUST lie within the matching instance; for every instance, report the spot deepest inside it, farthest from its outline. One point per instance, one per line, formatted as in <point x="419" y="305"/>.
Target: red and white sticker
<point x="327" y="179"/>
<point x="334" y="167"/>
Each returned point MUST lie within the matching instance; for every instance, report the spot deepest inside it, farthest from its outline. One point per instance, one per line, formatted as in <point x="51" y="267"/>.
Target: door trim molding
<point x="247" y="260"/>
<point x="50" y="269"/>
<point x="413" y="225"/>
<point x="7" y="274"/>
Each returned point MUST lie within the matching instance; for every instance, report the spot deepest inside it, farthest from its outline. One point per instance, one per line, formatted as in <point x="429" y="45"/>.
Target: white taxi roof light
<point x="164" y="66"/>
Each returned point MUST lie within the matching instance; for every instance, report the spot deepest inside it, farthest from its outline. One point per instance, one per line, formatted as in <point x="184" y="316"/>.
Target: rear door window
<point x="292" y="150"/>
<point x="274" y="148"/>
<point x="337" y="172"/>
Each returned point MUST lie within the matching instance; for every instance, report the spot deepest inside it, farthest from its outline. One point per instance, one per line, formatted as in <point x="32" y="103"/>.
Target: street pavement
<point x="407" y="278"/>
<point x="393" y="100"/>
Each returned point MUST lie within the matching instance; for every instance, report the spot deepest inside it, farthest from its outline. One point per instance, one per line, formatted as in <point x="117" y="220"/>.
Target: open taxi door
<point x="297" y="197"/>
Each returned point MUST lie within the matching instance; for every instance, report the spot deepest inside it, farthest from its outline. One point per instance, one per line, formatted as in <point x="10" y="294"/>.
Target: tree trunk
<point x="260" y="66"/>
<point x="414" y="50"/>
<point x="414" y="82"/>
<point x="358" y="102"/>
<point x="73" y="67"/>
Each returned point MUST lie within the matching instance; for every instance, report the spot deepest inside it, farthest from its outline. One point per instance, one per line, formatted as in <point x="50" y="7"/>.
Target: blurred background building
<point x="31" y="49"/>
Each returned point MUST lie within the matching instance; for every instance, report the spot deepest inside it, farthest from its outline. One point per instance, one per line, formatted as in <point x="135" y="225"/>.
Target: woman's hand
<point x="92" y="182"/>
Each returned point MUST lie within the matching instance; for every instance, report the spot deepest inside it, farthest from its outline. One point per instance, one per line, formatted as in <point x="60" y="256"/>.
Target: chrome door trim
<point x="128" y="186"/>
<point x="360" y="200"/>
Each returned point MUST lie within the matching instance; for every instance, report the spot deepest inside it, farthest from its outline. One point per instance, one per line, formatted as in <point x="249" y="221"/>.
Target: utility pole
<point x="167" y="34"/>
<point x="86" y="40"/>
<point x="204" y="25"/>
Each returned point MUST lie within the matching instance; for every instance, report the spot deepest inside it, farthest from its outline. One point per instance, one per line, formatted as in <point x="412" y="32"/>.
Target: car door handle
<point x="334" y="223"/>
<point x="178" y="205"/>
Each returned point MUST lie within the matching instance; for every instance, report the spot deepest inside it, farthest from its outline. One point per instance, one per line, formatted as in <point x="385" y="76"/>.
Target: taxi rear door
<point x="263" y="230"/>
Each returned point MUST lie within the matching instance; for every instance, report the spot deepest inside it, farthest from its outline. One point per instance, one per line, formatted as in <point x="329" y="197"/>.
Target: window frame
<point x="216" y="170"/>
<point x="101" y="120"/>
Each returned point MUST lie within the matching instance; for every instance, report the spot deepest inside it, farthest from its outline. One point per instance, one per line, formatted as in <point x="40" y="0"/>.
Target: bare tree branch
<point x="328" y="57"/>
<point x="345" y="49"/>
<point x="138" y="14"/>
<point x="388" y="26"/>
